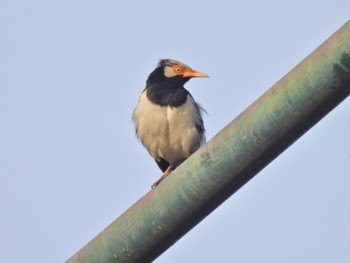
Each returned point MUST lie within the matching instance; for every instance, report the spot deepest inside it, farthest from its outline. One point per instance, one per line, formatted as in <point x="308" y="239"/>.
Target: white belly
<point x="168" y="132"/>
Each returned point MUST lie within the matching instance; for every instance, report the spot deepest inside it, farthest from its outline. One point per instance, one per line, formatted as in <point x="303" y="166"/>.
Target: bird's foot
<point x="165" y="174"/>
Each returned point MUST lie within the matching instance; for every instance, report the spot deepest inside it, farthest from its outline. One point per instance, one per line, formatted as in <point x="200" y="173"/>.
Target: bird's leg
<point x="165" y="174"/>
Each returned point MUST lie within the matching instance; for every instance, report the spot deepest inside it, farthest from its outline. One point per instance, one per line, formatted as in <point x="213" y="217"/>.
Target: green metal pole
<point x="244" y="147"/>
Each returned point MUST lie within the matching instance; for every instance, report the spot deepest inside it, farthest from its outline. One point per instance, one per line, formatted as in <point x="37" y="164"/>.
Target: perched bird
<point x="167" y="119"/>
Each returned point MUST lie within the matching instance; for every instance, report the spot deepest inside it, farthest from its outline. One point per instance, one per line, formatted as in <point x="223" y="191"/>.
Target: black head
<point x="165" y="83"/>
<point x="172" y="72"/>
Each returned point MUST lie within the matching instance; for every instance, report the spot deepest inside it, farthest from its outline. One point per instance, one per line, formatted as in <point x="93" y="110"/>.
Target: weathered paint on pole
<point x="230" y="159"/>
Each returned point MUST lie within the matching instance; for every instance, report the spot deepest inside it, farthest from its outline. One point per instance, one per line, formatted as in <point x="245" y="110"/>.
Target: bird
<point x="168" y="121"/>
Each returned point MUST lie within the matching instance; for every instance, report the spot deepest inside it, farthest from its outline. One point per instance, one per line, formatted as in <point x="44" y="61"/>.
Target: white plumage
<point x="168" y="132"/>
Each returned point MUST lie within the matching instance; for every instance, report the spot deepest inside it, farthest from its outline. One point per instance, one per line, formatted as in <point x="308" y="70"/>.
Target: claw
<point x="165" y="174"/>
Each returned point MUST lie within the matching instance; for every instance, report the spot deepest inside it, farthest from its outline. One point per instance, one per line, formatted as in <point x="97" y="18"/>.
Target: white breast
<point x="168" y="132"/>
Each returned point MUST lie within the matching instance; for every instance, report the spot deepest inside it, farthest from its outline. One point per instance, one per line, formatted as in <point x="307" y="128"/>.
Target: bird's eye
<point x="178" y="69"/>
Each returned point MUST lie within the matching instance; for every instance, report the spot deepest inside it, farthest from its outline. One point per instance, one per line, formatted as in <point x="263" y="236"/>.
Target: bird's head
<point x="173" y="71"/>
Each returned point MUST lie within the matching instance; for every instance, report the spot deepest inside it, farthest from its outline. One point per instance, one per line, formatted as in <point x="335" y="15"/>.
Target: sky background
<point x="70" y="75"/>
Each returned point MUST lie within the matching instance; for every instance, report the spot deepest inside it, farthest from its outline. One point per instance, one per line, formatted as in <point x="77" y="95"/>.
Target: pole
<point x="230" y="159"/>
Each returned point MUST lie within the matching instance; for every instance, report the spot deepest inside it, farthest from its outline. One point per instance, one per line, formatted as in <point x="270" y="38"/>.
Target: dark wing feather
<point x="162" y="164"/>
<point x="200" y="124"/>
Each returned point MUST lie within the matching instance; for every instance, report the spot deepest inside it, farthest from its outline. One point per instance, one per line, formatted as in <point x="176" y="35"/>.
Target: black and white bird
<point x="167" y="119"/>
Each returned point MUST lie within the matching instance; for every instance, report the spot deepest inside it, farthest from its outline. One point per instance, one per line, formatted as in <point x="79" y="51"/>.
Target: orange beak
<point x="189" y="73"/>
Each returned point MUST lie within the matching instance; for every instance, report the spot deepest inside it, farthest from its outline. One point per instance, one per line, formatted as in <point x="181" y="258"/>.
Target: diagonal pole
<point x="230" y="159"/>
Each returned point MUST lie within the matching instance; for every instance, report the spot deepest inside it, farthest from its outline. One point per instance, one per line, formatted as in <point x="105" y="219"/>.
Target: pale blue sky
<point x="71" y="73"/>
